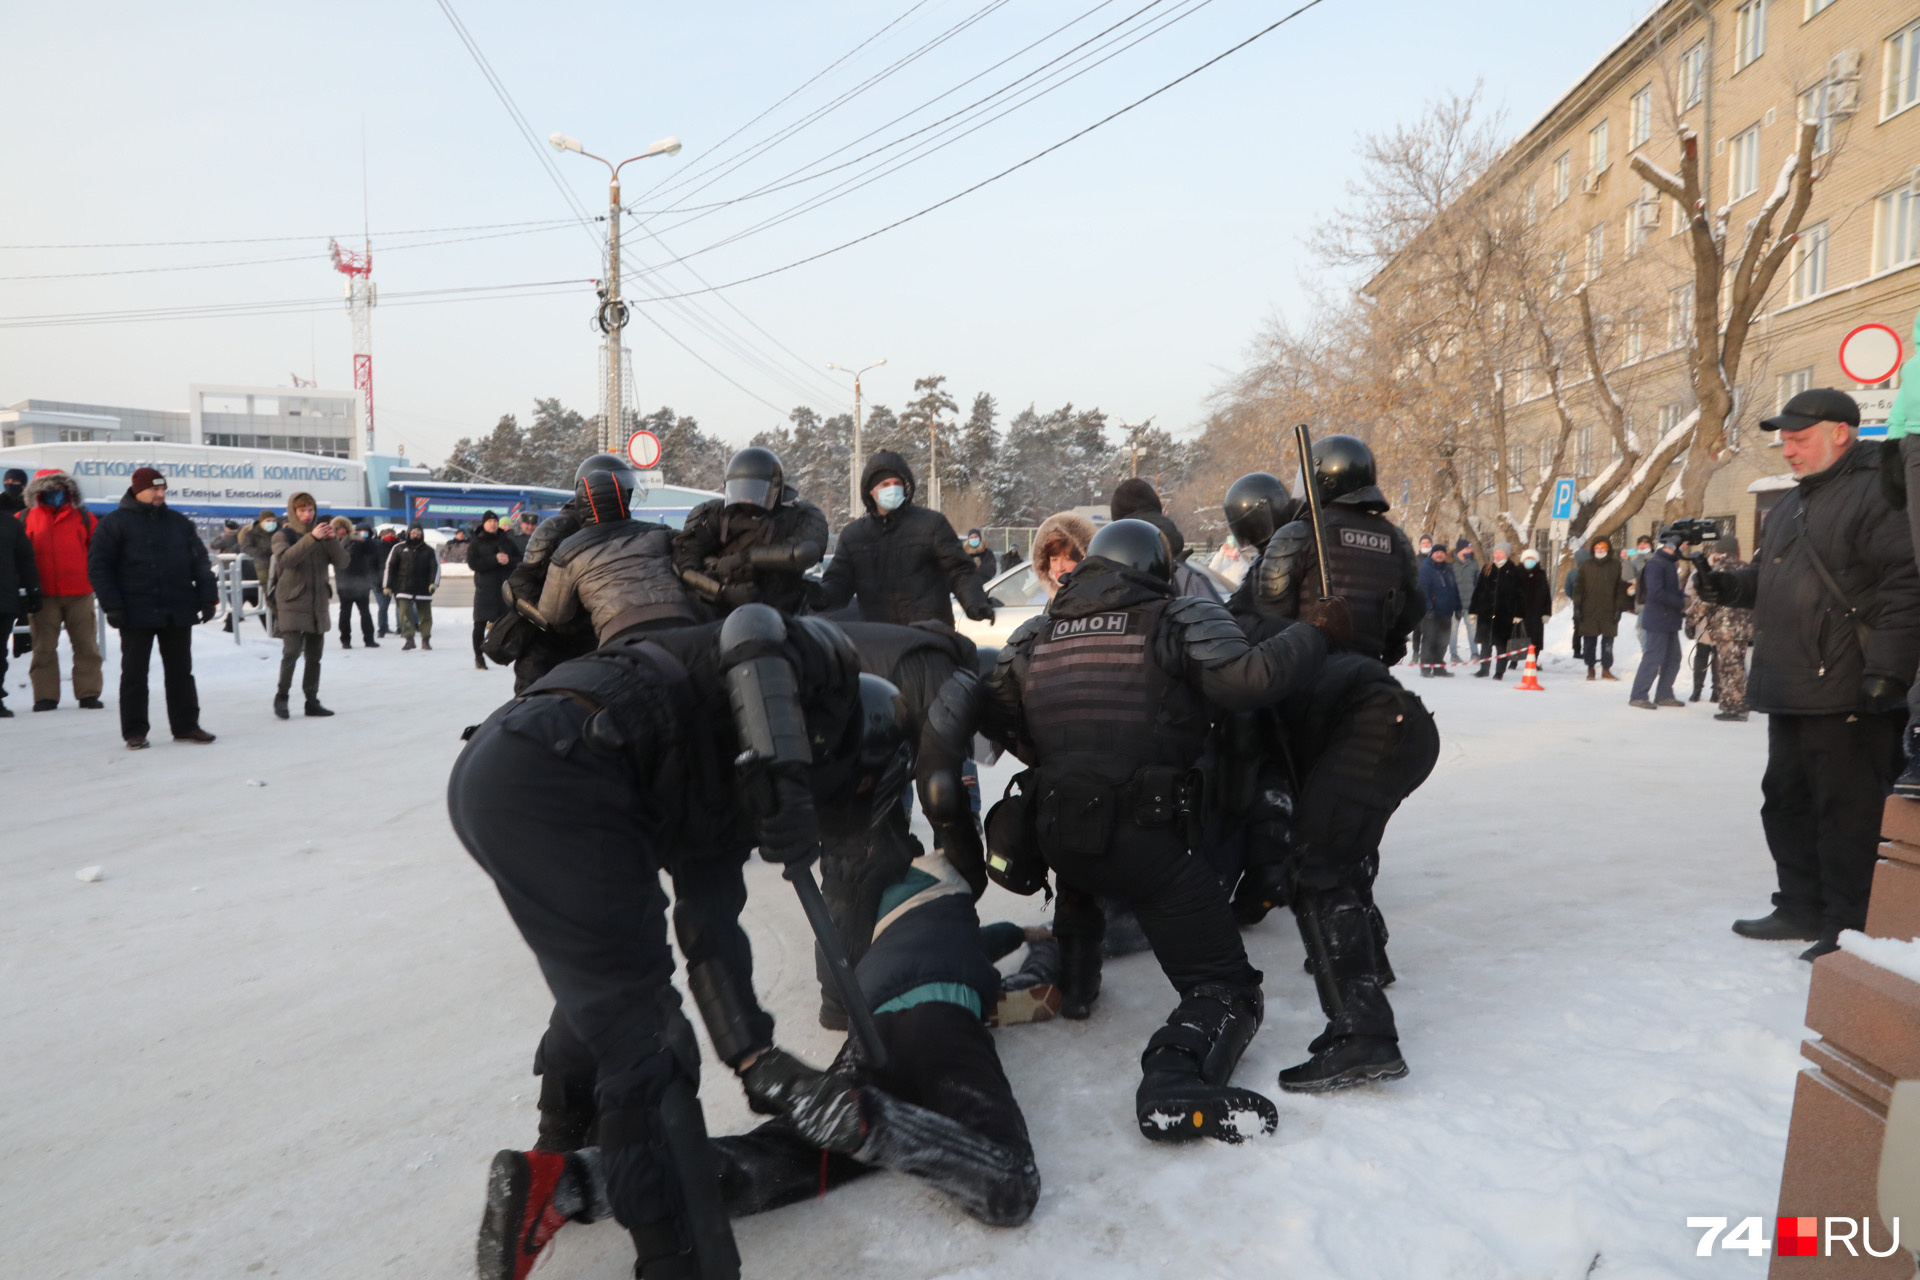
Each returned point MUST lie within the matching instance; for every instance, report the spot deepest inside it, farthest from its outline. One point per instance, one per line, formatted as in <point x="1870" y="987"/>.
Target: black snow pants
<point x="1821" y="800"/>
<point x="1374" y="757"/>
<point x="569" y="842"/>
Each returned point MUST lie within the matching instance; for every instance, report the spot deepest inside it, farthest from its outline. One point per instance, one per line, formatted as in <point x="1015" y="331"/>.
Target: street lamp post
<point x="856" y="461"/>
<point x="613" y="312"/>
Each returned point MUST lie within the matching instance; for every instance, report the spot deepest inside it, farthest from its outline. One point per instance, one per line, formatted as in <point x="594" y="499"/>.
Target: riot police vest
<point x="1099" y="706"/>
<point x="1367" y="566"/>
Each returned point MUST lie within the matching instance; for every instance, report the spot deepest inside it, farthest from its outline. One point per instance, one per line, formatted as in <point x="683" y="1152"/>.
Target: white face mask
<point x="1531" y="562"/>
<point x="1499" y="557"/>
<point x="889" y="496"/>
<point x="1601" y="554"/>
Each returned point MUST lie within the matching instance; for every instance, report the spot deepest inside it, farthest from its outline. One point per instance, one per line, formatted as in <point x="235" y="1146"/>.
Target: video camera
<point x="1699" y="531"/>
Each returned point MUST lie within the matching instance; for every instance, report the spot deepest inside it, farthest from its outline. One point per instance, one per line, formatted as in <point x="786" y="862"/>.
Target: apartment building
<point x="1741" y="75"/>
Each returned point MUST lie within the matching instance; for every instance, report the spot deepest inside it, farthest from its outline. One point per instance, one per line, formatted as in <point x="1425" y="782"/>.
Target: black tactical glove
<point x="1715" y="586"/>
<point x="776" y="1081"/>
<point x="207" y="611"/>
<point x="982" y="612"/>
<point x="116" y="619"/>
<point x="1881" y="696"/>
<point x="789" y="829"/>
<point x="1329" y="613"/>
<point x="33" y="602"/>
<point x="727" y="566"/>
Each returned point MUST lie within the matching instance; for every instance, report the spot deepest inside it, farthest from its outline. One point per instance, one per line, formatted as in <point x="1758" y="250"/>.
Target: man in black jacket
<point x="1836" y="631"/>
<point x="154" y="581"/>
<point x="903" y="561"/>
<point x="19" y="590"/>
<point x="754" y="544"/>
<point x="492" y="557"/>
<point x="1109" y="696"/>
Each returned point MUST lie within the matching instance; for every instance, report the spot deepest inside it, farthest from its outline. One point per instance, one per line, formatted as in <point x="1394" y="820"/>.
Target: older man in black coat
<point x="1836" y="631"/>
<point x="154" y="581"/>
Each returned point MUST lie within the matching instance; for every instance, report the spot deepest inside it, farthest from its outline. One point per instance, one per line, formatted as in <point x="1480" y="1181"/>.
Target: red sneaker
<point x="520" y="1217"/>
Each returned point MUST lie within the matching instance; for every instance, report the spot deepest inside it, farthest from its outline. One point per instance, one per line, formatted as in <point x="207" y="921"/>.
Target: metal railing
<point x="234" y="587"/>
<point x="23" y="626"/>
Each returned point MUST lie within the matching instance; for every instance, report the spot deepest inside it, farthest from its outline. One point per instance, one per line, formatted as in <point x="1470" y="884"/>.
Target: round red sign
<point x="1870" y="354"/>
<point x="643" y="449"/>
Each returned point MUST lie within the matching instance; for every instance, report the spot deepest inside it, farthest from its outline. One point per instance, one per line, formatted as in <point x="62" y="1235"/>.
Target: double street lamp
<point x="857" y="460"/>
<point x="613" y="312"/>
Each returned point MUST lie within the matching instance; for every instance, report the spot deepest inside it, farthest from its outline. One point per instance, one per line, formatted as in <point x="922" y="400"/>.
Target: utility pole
<point x="613" y="314"/>
<point x="858" y="459"/>
<point x="933" y="464"/>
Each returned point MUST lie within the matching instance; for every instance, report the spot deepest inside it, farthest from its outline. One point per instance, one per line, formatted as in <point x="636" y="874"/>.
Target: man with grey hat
<point x="1835" y="597"/>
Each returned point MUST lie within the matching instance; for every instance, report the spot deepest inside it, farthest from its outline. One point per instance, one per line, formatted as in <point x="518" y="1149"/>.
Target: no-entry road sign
<point x="643" y="450"/>
<point x="1870" y="354"/>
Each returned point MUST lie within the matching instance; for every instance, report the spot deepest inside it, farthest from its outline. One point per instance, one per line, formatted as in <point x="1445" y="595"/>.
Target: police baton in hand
<point x="852" y="998"/>
<point x="1303" y="443"/>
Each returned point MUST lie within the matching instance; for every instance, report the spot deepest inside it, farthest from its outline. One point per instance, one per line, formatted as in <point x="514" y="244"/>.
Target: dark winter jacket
<point x="768" y="552"/>
<point x="257" y="544"/>
<point x="489" y="575"/>
<point x="1599" y="596"/>
<point x="61" y="535"/>
<point x="412" y="567"/>
<point x="985" y="563"/>
<point x="361" y="575"/>
<point x="298" y="580"/>
<point x="1440" y="589"/>
<point x="619" y="573"/>
<point x="1807" y="653"/>
<point x="926" y="945"/>
<point x="1533" y="591"/>
<point x="148" y="565"/>
<point x="902" y="564"/>
<point x="1373" y="568"/>
<point x="19" y="577"/>
<point x="1662" y="603"/>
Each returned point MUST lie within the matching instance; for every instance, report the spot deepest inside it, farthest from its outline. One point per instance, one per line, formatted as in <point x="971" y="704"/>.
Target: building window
<point x="1902" y="71"/>
<point x="1636" y="340"/>
<point x="6" y="439"/>
<point x="1789" y="385"/>
<point x="1749" y="32"/>
<point x="1896" y="227"/>
<point x="1557" y="283"/>
<point x="1562" y="176"/>
<point x="1816" y="109"/>
<point x="1818" y="6"/>
<point x="1493" y="468"/>
<point x="1679" y="316"/>
<point x="1743" y="164"/>
<point x="1640" y="117"/>
<point x="1809" y="264"/>
<point x="1597" y="150"/>
<point x="148" y="436"/>
<point x="1670" y="415"/>
<point x="75" y="435"/>
<point x="1583" y="450"/>
<point x="1596" y="251"/>
<point x="1693" y="76"/>
<point x="1532" y="204"/>
<point x="1643" y="215"/>
<point x="1516" y="467"/>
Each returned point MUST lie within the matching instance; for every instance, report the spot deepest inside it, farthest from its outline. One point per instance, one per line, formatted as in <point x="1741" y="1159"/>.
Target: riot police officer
<point x="534" y="650"/>
<point x="616" y="570"/>
<point x="1371" y="562"/>
<point x="1109" y="697"/>
<point x="573" y="797"/>
<point x="756" y="543"/>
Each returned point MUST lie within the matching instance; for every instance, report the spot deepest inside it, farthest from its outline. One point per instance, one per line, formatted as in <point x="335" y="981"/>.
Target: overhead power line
<point x="1010" y="169"/>
<point x="285" y="306"/>
<point x="337" y="235"/>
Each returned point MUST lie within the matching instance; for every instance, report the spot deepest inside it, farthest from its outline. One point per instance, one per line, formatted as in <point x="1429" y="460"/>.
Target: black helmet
<point x="1136" y="545"/>
<point x="1341" y="464"/>
<point x="619" y="466"/>
<point x="1254" y="505"/>
<point x="755" y="479"/>
<point x="601" y="497"/>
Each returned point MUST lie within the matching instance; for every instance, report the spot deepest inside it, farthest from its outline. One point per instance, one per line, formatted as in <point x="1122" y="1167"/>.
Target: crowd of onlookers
<point x="145" y="568"/>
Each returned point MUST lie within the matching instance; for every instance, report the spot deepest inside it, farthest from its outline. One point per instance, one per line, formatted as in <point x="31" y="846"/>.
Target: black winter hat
<point x="16" y="476"/>
<point x="1816" y="405"/>
<point x="1132" y="496"/>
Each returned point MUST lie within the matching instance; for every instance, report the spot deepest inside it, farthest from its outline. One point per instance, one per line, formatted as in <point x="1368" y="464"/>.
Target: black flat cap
<point x="1818" y="404"/>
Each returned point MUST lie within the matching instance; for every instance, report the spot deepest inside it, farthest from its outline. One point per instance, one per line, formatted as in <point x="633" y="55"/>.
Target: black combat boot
<point x="1184" y="1092"/>
<point x="1360" y="1043"/>
<point x="1908" y="783"/>
<point x="1079" y="976"/>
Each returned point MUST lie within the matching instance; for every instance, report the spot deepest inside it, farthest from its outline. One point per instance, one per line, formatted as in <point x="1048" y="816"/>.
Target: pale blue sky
<point x="1128" y="270"/>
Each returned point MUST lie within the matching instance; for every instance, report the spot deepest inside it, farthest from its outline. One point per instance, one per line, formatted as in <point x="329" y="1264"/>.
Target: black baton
<point x="854" y="999"/>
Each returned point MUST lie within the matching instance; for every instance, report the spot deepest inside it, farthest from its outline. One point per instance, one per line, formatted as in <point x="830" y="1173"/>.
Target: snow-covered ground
<point x="287" y="1030"/>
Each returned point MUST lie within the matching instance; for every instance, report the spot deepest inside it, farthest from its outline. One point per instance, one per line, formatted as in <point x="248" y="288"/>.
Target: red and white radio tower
<point x="358" y="269"/>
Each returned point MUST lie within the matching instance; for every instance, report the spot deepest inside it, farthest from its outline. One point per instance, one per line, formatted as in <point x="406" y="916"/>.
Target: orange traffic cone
<point x="1530" y="678"/>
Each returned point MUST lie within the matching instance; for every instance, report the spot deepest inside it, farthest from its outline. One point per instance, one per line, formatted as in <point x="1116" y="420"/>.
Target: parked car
<point x="1017" y="595"/>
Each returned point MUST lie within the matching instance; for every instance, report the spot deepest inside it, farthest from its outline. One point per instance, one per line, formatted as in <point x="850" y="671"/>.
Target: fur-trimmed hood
<point x="1068" y="527"/>
<point x="47" y="481"/>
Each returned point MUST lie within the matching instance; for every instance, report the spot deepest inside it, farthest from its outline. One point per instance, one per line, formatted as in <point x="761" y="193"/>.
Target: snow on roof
<point x="1772" y="484"/>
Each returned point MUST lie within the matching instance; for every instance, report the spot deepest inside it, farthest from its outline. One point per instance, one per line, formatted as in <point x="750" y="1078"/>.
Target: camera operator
<point x="1836" y="629"/>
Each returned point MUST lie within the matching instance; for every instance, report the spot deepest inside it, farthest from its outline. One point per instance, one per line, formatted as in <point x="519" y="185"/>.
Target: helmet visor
<point x="748" y="492"/>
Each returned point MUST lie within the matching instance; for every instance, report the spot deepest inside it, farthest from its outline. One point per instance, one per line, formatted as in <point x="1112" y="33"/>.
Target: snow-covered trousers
<point x="1822" y="796"/>
<point x="564" y="834"/>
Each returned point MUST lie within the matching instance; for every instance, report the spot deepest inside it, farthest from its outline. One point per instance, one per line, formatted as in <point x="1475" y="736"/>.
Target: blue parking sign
<point x="1562" y="499"/>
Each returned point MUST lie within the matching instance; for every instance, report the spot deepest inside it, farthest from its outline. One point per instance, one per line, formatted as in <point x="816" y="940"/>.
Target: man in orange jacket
<point x="61" y="530"/>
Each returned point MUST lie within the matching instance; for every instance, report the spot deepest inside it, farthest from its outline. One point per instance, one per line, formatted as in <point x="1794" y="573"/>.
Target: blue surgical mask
<point x="890" y="497"/>
<point x="58" y="498"/>
<point x="1531" y="562"/>
<point x="269" y="525"/>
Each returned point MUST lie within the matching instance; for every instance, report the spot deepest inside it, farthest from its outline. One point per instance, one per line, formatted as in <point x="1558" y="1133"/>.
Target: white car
<point x="1017" y="595"/>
